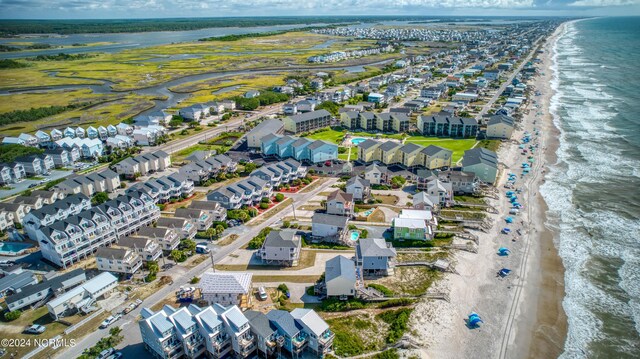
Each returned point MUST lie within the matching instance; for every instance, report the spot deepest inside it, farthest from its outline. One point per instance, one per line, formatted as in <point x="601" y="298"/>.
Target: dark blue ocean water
<point x="594" y="190"/>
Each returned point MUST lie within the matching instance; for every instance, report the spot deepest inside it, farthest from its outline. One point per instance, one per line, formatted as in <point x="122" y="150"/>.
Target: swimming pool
<point x="354" y="236"/>
<point x="358" y="140"/>
<point x="13" y="248"/>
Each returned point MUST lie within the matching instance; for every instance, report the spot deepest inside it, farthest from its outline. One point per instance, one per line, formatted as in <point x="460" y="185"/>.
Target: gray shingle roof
<point x="282" y="239"/>
<point x="309" y="115"/>
<point x="340" y="266"/>
<point x="329" y="219"/>
<point x="479" y="155"/>
<point x="259" y="323"/>
<point x="285" y="321"/>
<point x="374" y="247"/>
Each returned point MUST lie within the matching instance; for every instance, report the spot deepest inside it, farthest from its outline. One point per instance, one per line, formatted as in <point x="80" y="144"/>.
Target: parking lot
<point x="32" y="183"/>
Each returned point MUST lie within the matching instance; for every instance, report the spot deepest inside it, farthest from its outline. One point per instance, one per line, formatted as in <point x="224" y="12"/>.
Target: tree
<point x="211" y="232"/>
<point x="249" y="167"/>
<point x="9" y="316"/>
<point x="99" y="198"/>
<point x="219" y="229"/>
<point x="188" y="245"/>
<point x="178" y="255"/>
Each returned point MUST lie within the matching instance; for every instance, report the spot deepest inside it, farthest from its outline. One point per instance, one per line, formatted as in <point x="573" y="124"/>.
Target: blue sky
<point x="110" y="9"/>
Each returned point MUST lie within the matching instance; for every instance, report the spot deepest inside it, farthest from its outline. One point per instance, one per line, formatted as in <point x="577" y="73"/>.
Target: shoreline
<point x="522" y="313"/>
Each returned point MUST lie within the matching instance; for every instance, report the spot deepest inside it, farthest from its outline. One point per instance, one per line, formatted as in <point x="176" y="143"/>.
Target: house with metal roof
<point x="281" y="247"/>
<point x="226" y="288"/>
<point x="13" y="282"/>
<point x="270" y="126"/>
<point x="38" y="293"/>
<point x="318" y="336"/>
<point x="375" y="257"/>
<point x="82" y="297"/>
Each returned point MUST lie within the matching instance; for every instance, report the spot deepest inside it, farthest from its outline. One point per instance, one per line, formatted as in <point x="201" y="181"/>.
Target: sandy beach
<point x="522" y="313"/>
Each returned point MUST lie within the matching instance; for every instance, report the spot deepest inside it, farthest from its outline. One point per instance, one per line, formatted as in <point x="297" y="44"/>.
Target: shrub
<point x="384" y="290"/>
<point x="398" y="302"/>
<point x="150" y="277"/>
<point x="335" y="305"/>
<point x="195" y="280"/>
<point x="279" y="197"/>
<point x="283" y="288"/>
<point x="10" y="316"/>
<point x="286" y="224"/>
<point x="397" y="320"/>
<point x="256" y="242"/>
<point x="264" y="205"/>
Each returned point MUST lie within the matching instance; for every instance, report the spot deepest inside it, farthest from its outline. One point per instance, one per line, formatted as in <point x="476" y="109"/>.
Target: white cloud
<point x="603" y="3"/>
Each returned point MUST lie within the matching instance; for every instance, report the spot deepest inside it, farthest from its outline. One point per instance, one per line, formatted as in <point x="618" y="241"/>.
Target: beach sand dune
<point x="522" y="313"/>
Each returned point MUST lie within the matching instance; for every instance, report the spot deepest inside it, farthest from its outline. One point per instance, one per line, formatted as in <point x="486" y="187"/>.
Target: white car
<point x="110" y="320"/>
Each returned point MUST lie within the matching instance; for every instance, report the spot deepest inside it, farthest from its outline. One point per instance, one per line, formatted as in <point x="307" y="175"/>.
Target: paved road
<point x="24" y="185"/>
<point x="132" y="344"/>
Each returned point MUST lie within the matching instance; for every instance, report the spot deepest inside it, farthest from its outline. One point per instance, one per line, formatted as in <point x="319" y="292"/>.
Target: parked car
<point x="105" y="353"/>
<point x="110" y="320"/>
<point x="262" y="293"/>
<point x="35" y="329"/>
<point x="116" y="355"/>
<point x="202" y="249"/>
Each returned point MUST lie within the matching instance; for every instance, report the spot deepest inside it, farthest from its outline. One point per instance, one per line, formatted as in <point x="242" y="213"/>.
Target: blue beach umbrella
<point x="504" y="272"/>
<point x="508" y="220"/>
<point x="502" y="251"/>
<point x="474" y="320"/>
<point x="506" y="230"/>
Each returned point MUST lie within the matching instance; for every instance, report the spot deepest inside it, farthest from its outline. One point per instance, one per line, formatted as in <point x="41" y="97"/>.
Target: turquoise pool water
<point x="367" y="212"/>
<point x="354" y="236"/>
<point x="356" y="141"/>
<point x="13" y="248"/>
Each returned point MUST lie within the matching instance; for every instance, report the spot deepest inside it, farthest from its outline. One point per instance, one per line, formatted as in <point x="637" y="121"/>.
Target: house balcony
<point x="326" y="339"/>
<point x="246" y="341"/>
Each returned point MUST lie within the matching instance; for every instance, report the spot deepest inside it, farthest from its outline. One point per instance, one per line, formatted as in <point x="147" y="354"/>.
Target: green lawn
<point x="458" y="146"/>
<point x="328" y="135"/>
<point x="354" y="154"/>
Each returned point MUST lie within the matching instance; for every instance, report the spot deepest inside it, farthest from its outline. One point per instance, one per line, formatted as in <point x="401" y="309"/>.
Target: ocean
<point x="593" y="191"/>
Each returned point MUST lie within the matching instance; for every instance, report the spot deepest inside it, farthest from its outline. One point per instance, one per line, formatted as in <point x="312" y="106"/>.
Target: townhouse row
<point x="90" y="184"/>
<point x="300" y="148"/>
<point x="78" y="236"/>
<point x="258" y="185"/>
<point x="217" y="331"/>
<point x="205" y="168"/>
<point x="407" y="155"/>
<point x="53" y="212"/>
<point x="144" y="164"/>
<point x="15" y="211"/>
<point x="369" y="121"/>
<point x="444" y="124"/>
<point x="165" y="188"/>
<point x="307" y="121"/>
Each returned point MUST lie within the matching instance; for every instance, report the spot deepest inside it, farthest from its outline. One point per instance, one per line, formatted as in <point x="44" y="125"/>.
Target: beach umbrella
<point x="474" y="320"/>
<point x="504" y="272"/>
<point x="502" y="251"/>
<point x="506" y="230"/>
<point x="508" y="220"/>
<point x="509" y="193"/>
<point x="513" y="199"/>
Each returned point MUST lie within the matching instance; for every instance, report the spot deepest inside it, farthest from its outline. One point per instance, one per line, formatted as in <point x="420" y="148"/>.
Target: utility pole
<point x="294" y="211"/>
<point x="213" y="263"/>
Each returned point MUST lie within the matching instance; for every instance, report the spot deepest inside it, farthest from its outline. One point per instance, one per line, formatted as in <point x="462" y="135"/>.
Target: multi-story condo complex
<point x="302" y="149"/>
<point x="217" y="332"/>
<point x="445" y="125"/>
<point x="246" y="192"/>
<point x="75" y="237"/>
<point x="408" y="155"/>
<point x="307" y="121"/>
<point x="147" y="249"/>
<point x="282" y="172"/>
<point x="369" y="121"/>
<point x="56" y="211"/>
<point x="167" y="238"/>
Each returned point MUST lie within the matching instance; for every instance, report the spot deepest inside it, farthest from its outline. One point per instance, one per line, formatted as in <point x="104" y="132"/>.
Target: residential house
<point x="214" y="209"/>
<point x="195" y="112"/>
<point x="17" y="211"/>
<point x="14" y="282"/>
<point x="183" y="226"/>
<point x="461" y="182"/>
<point x="281" y="247"/>
<point x="146" y="248"/>
<point x="167" y="238"/>
<point x="432" y="157"/>
<point x="482" y="162"/>
<point x="32" y="164"/>
<point x="340" y="203"/>
<point x="118" y="260"/>
<point x="83" y="296"/>
<point x="293" y="339"/>
<point x="226" y="288"/>
<point x="500" y="126"/>
<point x="316" y="331"/>
<point x="329" y="227"/>
<point x="39" y="293"/>
<point x="56" y="134"/>
<point x="340" y="278"/>
<point x="60" y="156"/>
<point x="265" y="335"/>
<point x="375" y="257"/>
<point x="443" y="191"/>
<point x="198" y="217"/>
<point x="413" y="225"/>
<point x="358" y="187"/>
<point x="424" y="201"/>
<point x="376" y="174"/>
